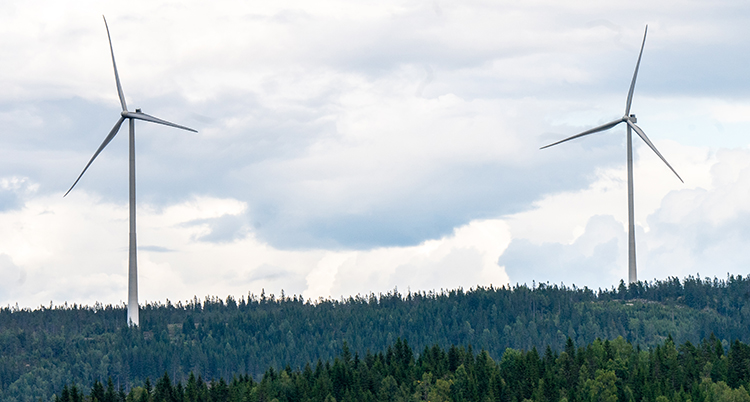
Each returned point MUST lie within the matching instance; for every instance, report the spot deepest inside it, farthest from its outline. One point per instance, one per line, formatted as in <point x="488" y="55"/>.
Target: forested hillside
<point x="601" y="371"/>
<point x="45" y="348"/>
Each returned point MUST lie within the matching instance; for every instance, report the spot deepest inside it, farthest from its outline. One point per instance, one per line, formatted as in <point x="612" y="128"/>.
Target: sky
<point x="350" y="147"/>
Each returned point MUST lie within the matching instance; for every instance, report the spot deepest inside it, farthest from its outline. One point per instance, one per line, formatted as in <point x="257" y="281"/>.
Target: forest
<point x="600" y="371"/>
<point x="45" y="348"/>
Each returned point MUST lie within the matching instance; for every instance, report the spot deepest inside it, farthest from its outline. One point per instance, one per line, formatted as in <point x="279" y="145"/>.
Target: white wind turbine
<point x="131" y="117"/>
<point x="629" y="120"/>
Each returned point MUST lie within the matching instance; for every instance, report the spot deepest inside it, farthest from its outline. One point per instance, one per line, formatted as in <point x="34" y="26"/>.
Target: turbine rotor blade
<point x="117" y="76"/>
<point x="587" y="132"/>
<point x="635" y="75"/>
<point x="651" y="145"/>
<point x="111" y="135"/>
<point x="146" y="117"/>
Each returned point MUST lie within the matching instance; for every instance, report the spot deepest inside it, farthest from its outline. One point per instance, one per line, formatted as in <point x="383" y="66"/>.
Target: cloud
<point x="13" y="278"/>
<point x="700" y="227"/>
<point x="8" y="200"/>
<point x="72" y="268"/>
<point x="705" y="230"/>
<point x="13" y="192"/>
<point x="226" y="228"/>
<point x="155" y="249"/>
<point x="466" y="258"/>
<point x="338" y="140"/>
<point x="595" y="259"/>
<point x="309" y="114"/>
<point x="350" y="185"/>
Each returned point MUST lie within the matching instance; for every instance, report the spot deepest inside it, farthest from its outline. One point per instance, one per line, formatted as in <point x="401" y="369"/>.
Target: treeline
<point x="599" y="371"/>
<point x="42" y="349"/>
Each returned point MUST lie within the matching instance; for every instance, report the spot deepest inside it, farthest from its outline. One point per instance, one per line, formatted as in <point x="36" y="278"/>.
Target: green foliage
<point x="610" y="372"/>
<point x="43" y="349"/>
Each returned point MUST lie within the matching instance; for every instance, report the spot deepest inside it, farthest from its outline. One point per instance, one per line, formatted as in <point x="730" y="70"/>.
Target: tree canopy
<point x="42" y="349"/>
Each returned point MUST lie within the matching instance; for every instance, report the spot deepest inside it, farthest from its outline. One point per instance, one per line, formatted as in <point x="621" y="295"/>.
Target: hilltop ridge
<point x="44" y="348"/>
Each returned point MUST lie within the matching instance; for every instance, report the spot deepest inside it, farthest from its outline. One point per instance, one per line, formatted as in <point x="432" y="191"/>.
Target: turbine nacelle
<point x="627" y="118"/>
<point x="125" y="113"/>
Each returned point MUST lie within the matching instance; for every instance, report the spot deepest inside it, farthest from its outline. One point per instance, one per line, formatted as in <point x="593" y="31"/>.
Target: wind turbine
<point x="131" y="117"/>
<point x="629" y="120"/>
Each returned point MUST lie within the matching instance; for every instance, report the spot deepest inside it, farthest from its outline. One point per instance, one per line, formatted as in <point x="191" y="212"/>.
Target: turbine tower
<point x="629" y="120"/>
<point x="131" y="117"/>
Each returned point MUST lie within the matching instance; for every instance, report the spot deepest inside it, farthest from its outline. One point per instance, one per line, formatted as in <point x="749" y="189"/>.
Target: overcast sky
<point x="350" y="147"/>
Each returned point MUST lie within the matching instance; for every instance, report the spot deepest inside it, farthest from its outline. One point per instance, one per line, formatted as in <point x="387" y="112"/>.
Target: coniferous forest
<point x="601" y="371"/>
<point x="270" y="338"/>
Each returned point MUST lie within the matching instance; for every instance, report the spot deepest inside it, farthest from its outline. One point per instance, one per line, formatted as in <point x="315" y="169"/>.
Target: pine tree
<point x="97" y="391"/>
